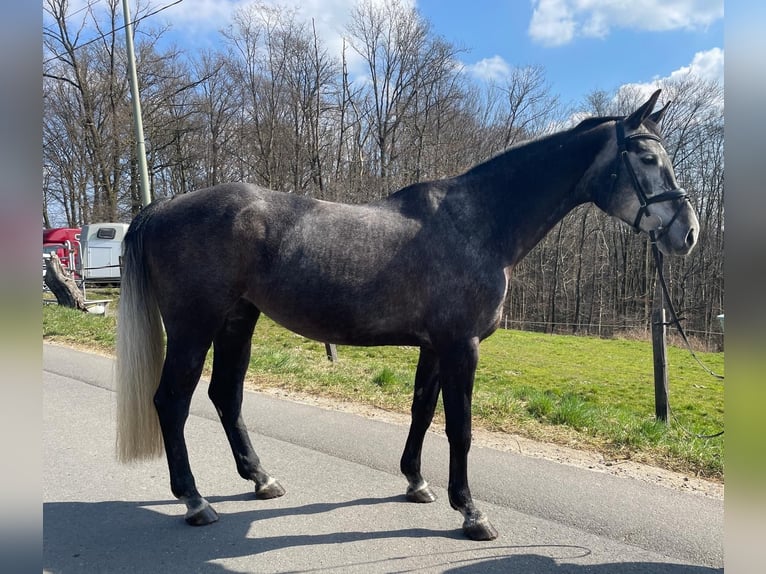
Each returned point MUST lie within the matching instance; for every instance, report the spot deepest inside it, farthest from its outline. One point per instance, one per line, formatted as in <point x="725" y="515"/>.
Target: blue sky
<point x="587" y="44"/>
<point x="582" y="45"/>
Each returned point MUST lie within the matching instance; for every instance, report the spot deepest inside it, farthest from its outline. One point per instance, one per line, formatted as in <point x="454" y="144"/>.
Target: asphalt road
<point x="344" y="511"/>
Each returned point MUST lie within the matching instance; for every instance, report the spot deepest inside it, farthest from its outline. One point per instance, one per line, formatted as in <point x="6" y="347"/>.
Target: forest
<point x="272" y="104"/>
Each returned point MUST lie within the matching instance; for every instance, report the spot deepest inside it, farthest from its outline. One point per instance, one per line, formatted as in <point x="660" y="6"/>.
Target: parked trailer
<point x="102" y="251"/>
<point x="65" y="243"/>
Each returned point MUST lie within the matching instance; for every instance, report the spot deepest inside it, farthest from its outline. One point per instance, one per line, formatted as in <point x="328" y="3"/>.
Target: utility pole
<point x="138" y="122"/>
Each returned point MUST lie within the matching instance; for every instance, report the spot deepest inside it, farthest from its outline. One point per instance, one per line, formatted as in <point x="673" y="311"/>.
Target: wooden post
<point x="661" y="404"/>
<point x="332" y="352"/>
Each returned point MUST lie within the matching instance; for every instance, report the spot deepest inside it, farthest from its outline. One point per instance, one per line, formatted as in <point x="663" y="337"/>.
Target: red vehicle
<point x="64" y="242"/>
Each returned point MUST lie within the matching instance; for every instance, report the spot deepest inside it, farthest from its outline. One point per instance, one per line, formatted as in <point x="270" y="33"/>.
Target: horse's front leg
<point x="457" y="368"/>
<point x="423" y="405"/>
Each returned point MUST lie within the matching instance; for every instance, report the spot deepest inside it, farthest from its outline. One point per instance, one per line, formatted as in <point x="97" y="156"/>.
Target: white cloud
<point x="216" y="14"/>
<point x="489" y="69"/>
<point x="558" y="22"/>
<point x="330" y="18"/>
<point x="195" y="23"/>
<point x="552" y="22"/>
<point x="705" y="65"/>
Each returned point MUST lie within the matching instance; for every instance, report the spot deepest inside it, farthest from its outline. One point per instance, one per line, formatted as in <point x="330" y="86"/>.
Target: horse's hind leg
<point x="423" y="405"/>
<point x="180" y="374"/>
<point x="231" y="357"/>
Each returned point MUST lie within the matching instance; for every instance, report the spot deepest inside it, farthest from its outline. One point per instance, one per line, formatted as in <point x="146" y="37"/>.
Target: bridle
<point x="644" y="200"/>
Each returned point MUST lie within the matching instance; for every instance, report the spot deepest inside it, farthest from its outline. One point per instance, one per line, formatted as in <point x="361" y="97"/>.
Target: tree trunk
<point x="62" y="284"/>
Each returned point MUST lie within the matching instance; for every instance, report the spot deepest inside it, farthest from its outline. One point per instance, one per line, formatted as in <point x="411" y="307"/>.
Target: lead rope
<point x="674" y="320"/>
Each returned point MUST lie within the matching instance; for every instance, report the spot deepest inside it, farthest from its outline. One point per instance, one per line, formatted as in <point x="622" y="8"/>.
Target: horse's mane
<point x="588" y="123"/>
<point x="583" y="126"/>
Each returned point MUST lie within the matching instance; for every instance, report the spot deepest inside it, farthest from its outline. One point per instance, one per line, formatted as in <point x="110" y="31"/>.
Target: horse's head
<point x="642" y="189"/>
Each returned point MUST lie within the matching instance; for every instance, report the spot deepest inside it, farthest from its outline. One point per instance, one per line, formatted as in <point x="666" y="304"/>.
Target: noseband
<point x="644" y="200"/>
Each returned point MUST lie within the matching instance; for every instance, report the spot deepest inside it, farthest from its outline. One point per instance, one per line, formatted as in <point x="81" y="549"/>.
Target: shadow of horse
<point x="137" y="537"/>
<point x="534" y="563"/>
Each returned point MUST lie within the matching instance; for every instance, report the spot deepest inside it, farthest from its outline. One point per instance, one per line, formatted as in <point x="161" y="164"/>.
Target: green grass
<point x="81" y="329"/>
<point x="584" y="392"/>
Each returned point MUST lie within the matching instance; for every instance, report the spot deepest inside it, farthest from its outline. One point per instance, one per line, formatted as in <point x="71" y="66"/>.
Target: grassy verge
<point x="582" y="392"/>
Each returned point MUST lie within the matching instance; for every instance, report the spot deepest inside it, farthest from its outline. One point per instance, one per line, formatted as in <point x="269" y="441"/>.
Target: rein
<point x="644" y="200"/>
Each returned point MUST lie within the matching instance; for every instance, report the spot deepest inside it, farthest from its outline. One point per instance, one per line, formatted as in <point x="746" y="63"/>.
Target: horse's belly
<point x="343" y="316"/>
<point x="340" y="327"/>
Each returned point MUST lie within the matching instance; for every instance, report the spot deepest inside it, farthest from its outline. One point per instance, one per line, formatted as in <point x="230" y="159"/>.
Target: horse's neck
<point x="527" y="190"/>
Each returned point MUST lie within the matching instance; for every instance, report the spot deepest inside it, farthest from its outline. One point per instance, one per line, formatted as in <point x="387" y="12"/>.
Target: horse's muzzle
<point x="680" y="237"/>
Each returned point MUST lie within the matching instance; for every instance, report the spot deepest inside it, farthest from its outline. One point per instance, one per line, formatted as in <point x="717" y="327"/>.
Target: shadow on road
<point x="536" y="564"/>
<point x="141" y="537"/>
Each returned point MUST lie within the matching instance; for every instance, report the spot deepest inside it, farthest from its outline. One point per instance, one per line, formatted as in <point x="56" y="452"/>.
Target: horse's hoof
<point x="270" y="490"/>
<point x="422" y="494"/>
<point x="479" y="528"/>
<point x="201" y="516"/>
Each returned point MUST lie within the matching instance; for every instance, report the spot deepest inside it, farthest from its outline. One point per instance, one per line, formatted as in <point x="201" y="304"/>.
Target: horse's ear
<point x="657" y="116"/>
<point x="634" y="120"/>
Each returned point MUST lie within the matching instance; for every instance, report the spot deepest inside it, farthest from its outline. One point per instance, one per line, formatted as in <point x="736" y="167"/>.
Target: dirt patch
<point x="522" y="445"/>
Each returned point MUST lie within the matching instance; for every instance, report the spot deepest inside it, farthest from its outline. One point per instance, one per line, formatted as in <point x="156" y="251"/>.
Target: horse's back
<point x="243" y="239"/>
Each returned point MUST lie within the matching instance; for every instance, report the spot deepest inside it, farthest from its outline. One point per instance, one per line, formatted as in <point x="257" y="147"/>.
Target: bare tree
<point x="404" y="62"/>
<point x="274" y="107"/>
<point x="92" y="73"/>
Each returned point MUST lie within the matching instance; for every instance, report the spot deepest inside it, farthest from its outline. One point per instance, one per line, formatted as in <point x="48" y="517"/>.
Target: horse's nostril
<point x="690" y="238"/>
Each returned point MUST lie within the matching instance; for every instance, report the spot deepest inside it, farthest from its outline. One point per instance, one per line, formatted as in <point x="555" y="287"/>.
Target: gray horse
<point x="428" y="267"/>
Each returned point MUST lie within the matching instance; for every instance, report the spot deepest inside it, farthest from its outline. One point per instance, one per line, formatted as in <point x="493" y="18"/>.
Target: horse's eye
<point x="649" y="159"/>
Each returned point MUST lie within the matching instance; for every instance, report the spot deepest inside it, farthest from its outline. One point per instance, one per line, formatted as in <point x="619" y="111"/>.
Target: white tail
<point x="140" y="354"/>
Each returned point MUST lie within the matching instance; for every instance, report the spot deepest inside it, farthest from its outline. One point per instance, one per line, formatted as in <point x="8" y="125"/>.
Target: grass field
<point x="583" y="392"/>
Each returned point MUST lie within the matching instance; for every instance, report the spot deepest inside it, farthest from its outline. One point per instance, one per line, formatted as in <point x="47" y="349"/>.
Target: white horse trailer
<point x="101" y="245"/>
